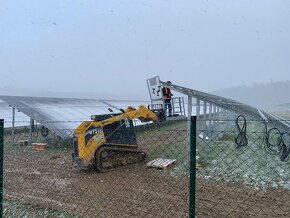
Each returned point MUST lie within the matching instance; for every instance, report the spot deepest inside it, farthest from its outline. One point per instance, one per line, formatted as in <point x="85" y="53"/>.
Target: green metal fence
<point x="46" y="183"/>
<point x="243" y="169"/>
<point x="1" y="165"/>
<point x="225" y="172"/>
<point x="192" y="169"/>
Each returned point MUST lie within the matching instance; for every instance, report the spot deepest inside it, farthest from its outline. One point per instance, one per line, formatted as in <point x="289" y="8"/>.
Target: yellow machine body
<point x="89" y="136"/>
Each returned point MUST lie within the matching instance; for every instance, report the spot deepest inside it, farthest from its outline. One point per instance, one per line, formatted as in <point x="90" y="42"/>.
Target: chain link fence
<point x="41" y="180"/>
<point x="242" y="170"/>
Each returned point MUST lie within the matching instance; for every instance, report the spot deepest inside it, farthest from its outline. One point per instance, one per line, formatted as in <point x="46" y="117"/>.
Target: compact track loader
<point x="108" y="141"/>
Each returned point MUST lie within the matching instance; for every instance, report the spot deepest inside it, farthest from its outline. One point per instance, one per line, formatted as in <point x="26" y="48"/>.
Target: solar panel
<point x="6" y="114"/>
<point x="63" y="115"/>
<point x="115" y="105"/>
<point x="229" y="104"/>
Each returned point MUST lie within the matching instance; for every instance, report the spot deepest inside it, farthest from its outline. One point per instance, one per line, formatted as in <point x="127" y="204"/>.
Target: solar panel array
<point x="6" y="114"/>
<point x="231" y="105"/>
<point x="62" y="115"/>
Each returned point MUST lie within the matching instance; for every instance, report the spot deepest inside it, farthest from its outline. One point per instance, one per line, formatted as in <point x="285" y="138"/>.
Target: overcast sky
<point x="114" y="46"/>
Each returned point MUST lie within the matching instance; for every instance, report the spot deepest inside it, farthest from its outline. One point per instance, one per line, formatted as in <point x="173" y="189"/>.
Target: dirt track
<point x="48" y="180"/>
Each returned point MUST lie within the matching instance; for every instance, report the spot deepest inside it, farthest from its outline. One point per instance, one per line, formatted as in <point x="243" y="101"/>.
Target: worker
<point x="167" y="99"/>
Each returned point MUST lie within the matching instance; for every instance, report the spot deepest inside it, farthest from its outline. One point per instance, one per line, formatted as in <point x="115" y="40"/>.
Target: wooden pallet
<point x="23" y="142"/>
<point x="161" y="163"/>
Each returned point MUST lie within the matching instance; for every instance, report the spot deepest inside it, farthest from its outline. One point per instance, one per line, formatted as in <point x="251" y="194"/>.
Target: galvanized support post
<point x="204" y="110"/>
<point x="183" y="106"/>
<point x="1" y="165"/>
<point x="224" y="115"/>
<point x="205" y="133"/>
<point x="13" y="125"/>
<point x="210" y="111"/>
<point x="31" y="130"/>
<point x="211" y="120"/>
<point x="180" y="107"/>
<point x="197" y="108"/>
<point x="192" y="174"/>
<point x="189" y="112"/>
<point x="189" y="108"/>
<point x="215" y="122"/>
<point x="198" y="113"/>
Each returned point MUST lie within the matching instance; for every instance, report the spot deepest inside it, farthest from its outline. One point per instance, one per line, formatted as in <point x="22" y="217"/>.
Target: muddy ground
<point x="47" y="179"/>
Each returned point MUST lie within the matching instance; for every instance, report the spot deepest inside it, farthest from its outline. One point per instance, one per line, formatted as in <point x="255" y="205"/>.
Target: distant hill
<point x="264" y="96"/>
<point x="284" y="105"/>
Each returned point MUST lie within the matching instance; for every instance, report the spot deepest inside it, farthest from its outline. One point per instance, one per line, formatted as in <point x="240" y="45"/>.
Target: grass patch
<point x="252" y="165"/>
<point x="164" y="126"/>
<point x="173" y="151"/>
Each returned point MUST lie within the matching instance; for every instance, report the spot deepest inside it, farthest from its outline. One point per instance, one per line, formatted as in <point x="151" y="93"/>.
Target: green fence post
<point x="1" y="165"/>
<point x="192" y="169"/>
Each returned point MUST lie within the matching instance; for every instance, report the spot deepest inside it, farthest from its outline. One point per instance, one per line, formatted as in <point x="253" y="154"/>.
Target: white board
<point x="155" y="88"/>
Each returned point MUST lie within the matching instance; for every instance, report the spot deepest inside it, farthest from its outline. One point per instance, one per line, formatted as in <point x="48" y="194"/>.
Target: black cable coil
<point x="278" y="142"/>
<point x="241" y="139"/>
<point x="44" y="131"/>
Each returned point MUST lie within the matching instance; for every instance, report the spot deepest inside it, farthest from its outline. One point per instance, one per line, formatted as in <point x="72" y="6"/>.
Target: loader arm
<point x="142" y="113"/>
<point x="89" y="135"/>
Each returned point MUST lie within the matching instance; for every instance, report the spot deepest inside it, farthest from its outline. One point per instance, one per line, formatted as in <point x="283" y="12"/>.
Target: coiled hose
<point x="241" y="139"/>
<point x="278" y="142"/>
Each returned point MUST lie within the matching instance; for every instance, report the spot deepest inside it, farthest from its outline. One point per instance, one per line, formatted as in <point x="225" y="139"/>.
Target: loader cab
<point x="121" y="132"/>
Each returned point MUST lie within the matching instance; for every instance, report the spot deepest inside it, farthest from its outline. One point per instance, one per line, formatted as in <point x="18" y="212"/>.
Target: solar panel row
<point x="230" y="105"/>
<point x="62" y="115"/>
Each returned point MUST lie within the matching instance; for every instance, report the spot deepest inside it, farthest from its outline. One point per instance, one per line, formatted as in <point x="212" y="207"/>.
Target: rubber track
<point x="119" y="151"/>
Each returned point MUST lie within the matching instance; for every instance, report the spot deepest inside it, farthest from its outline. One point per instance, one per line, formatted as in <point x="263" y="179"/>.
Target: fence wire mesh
<point x="242" y="171"/>
<point x="46" y="183"/>
<point x="243" y="168"/>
